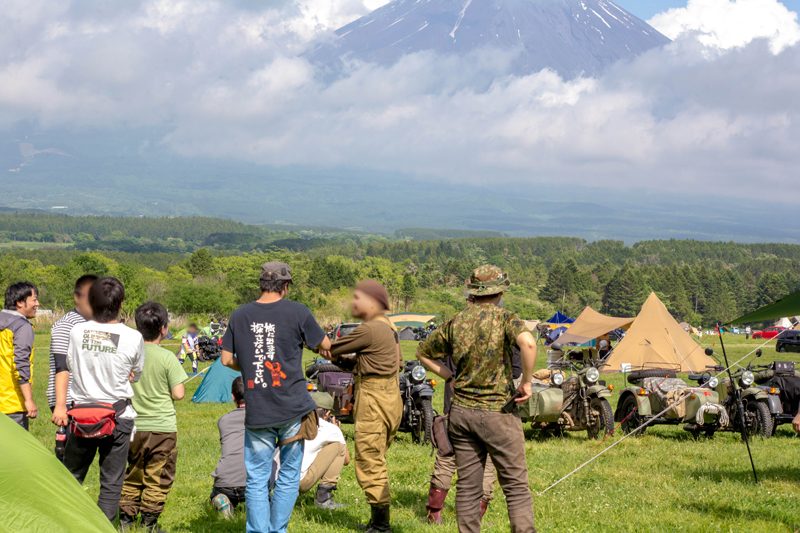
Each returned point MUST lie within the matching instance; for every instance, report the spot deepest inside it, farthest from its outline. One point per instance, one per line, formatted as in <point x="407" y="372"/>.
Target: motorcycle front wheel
<point x="422" y="430"/>
<point x="603" y="418"/>
<point x="758" y="419"/>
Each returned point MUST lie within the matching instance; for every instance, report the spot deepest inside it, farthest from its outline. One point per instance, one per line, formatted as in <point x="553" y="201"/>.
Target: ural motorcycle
<point x="572" y="398"/>
<point x="417" y="393"/>
<point x="783" y="379"/>
<point x="336" y="381"/>
<point x="761" y="403"/>
<point x="653" y="390"/>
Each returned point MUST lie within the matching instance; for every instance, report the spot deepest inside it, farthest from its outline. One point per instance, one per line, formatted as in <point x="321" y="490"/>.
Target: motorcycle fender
<point x="774" y="403"/>
<point x="754" y="393"/>
<point x="422" y="391"/>
<point x="600" y="391"/>
<point x="642" y="403"/>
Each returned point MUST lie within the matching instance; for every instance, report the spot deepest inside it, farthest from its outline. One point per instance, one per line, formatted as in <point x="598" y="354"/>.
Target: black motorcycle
<point x="417" y="393"/>
<point x="782" y="379"/>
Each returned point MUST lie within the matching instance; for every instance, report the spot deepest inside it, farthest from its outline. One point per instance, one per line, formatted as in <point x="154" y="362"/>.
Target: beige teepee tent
<point x="656" y="340"/>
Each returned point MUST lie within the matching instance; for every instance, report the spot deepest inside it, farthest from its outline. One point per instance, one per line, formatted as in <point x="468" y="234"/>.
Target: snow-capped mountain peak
<point x="569" y="36"/>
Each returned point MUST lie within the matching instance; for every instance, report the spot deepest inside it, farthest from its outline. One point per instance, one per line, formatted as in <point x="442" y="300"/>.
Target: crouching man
<point x="325" y="456"/>
<point x="230" y="476"/>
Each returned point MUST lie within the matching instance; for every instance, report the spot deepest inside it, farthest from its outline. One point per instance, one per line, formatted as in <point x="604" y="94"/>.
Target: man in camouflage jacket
<point x="479" y="340"/>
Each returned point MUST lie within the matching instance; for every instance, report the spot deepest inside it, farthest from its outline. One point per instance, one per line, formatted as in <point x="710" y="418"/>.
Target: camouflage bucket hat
<point x="487" y="280"/>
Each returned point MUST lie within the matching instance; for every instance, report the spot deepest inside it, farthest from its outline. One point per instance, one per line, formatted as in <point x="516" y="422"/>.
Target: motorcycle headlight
<point x="557" y="378"/>
<point x="592" y="375"/>
<point x="712" y="382"/>
<point x="747" y="378"/>
<point x="418" y="373"/>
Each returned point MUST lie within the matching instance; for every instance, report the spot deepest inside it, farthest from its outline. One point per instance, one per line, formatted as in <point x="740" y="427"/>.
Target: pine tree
<point x="625" y="293"/>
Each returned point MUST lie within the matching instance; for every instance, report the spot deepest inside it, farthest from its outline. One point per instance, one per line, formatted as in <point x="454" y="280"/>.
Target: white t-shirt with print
<point x="101" y="358"/>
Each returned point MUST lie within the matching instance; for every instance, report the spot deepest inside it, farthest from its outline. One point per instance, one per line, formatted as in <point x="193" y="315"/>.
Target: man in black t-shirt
<point x="267" y="338"/>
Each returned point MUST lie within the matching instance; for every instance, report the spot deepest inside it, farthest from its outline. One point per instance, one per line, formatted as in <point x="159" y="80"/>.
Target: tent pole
<point x="737" y="395"/>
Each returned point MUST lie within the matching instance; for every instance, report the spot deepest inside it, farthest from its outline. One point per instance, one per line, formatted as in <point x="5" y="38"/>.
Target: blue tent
<point x="216" y="385"/>
<point x="560" y="318"/>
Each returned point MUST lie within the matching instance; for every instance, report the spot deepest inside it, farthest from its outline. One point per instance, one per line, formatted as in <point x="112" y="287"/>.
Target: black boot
<point x="324" y="498"/>
<point x="126" y="521"/>
<point x="379" y="523"/>
<point x="150" y="523"/>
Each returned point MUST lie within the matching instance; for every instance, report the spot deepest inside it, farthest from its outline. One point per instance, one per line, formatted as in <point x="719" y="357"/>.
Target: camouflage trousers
<point x="377" y="412"/>
<point x="152" y="459"/>
<point x="445" y="468"/>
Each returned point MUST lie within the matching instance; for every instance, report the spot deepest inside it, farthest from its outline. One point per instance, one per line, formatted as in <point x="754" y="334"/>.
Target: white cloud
<point x="227" y="81"/>
<point x="726" y="24"/>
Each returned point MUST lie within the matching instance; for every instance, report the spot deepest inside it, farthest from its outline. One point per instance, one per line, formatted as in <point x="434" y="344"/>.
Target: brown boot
<point x="484" y="506"/>
<point x="436" y="498"/>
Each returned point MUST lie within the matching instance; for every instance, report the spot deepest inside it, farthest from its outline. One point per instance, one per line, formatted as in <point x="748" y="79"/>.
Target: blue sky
<point x="645" y="9"/>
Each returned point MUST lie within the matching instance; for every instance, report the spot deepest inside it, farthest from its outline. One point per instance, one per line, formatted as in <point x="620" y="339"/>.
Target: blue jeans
<point x="265" y="515"/>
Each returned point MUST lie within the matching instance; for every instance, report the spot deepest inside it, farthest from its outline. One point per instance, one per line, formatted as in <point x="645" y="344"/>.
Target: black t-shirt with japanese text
<point x="268" y="340"/>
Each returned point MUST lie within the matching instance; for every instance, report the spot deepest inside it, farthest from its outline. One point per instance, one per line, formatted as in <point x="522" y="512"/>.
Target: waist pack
<point x="309" y="427"/>
<point x="93" y="420"/>
<point x="440" y="436"/>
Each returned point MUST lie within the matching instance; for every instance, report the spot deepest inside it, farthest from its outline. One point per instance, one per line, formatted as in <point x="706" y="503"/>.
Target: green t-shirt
<point x="152" y="394"/>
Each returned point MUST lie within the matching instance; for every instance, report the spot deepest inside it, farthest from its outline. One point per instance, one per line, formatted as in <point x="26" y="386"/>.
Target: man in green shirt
<point x="154" y="451"/>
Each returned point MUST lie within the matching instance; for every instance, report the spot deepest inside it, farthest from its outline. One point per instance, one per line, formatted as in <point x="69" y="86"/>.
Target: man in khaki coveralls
<point x="378" y="406"/>
<point x="483" y="422"/>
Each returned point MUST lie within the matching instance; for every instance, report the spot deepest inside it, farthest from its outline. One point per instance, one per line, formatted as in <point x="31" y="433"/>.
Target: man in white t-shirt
<point x="103" y="358"/>
<point x="323" y="457"/>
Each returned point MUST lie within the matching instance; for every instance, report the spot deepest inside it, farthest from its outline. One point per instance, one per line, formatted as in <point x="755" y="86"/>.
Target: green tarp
<point x="788" y="306"/>
<point x="39" y="495"/>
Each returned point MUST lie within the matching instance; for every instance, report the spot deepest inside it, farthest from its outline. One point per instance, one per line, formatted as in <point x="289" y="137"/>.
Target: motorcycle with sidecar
<point x="570" y="397"/>
<point x="658" y="396"/>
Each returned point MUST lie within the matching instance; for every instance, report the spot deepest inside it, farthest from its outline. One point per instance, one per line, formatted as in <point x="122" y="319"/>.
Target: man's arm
<point x="354" y="342"/>
<point x="228" y="347"/>
<point x="796" y="421"/>
<point x="230" y="361"/>
<point x="434" y="350"/>
<point x="527" y="347"/>
<point x="435" y="366"/>
<point x="324" y="349"/>
<point x="59" y="417"/>
<point x="23" y="347"/>
<point x="178" y="392"/>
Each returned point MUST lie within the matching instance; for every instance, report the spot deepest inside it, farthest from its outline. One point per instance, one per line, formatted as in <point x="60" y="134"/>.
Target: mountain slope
<point x="569" y="36"/>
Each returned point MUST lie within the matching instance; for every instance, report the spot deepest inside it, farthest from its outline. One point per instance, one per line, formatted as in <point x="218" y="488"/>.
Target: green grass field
<point x="664" y="481"/>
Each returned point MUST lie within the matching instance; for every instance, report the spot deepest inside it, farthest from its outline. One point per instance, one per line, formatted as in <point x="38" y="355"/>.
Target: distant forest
<point x="205" y="266"/>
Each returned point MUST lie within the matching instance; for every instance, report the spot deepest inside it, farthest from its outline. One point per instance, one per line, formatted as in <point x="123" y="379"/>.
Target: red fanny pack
<point x="93" y="420"/>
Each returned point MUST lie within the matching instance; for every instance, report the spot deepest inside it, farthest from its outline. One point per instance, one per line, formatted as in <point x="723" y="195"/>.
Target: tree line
<point x="700" y="282"/>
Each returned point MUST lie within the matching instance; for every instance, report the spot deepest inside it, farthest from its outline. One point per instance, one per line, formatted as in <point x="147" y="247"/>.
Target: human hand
<point x="59" y="417"/>
<point x="132" y="377"/>
<point x="523" y="392"/>
<point x="326" y="354"/>
<point x="31" y="409"/>
<point x="796" y="423"/>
